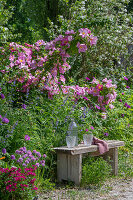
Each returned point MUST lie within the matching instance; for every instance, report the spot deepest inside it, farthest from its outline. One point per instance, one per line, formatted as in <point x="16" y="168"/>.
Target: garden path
<point x="114" y="189"/>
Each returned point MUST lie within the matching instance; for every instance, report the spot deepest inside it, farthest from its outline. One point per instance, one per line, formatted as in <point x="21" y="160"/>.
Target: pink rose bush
<point x="96" y="94"/>
<point x="43" y="64"/>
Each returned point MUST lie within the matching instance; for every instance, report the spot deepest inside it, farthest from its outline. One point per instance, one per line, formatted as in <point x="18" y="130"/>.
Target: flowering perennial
<point x="14" y="181"/>
<point x="43" y="64"/>
<point x="27" y="158"/>
<point x="95" y="94"/>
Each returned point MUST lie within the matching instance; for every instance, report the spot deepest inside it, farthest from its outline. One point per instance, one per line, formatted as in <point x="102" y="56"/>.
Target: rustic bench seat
<point x="69" y="160"/>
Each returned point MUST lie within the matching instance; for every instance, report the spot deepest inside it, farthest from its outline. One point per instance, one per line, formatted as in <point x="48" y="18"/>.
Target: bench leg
<point x="113" y="155"/>
<point x="69" y="167"/>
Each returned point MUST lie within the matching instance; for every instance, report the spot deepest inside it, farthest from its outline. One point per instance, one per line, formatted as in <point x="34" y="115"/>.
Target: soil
<point x="112" y="189"/>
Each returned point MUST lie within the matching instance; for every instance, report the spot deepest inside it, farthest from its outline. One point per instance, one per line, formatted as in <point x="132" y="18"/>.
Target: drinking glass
<point x="71" y="141"/>
<point x="87" y="138"/>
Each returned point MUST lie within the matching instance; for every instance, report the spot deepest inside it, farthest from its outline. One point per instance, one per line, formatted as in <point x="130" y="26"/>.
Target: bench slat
<point x="81" y="148"/>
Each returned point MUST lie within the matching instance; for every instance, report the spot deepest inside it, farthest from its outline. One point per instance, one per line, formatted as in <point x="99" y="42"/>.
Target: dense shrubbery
<point x="111" y="22"/>
<point x="39" y="98"/>
<point x="95" y="171"/>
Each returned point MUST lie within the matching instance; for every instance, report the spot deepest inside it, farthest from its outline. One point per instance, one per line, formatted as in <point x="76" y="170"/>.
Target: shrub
<point x="17" y="184"/>
<point x="112" y="25"/>
<point x="125" y="159"/>
<point x="95" y="171"/>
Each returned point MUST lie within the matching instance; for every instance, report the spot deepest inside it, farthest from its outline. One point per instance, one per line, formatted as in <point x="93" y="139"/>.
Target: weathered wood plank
<point x="81" y="148"/>
<point x="61" y="167"/>
<point x="69" y="167"/>
<point x="74" y="168"/>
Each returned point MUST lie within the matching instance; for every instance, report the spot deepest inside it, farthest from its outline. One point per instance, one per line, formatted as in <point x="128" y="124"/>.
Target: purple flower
<point x="24" y="106"/>
<point x="27" y="137"/>
<point x="37" y="164"/>
<point x="106" y="134"/>
<point x="81" y="47"/>
<point x="98" y="107"/>
<point x="38" y="154"/>
<point x="2" y="96"/>
<point x="42" y="162"/>
<point x="86" y="130"/>
<point x="24" y="156"/>
<point x="122" y="115"/>
<point x="40" y="42"/>
<point x="128" y="106"/>
<point x="27" y="161"/>
<point x="122" y="93"/>
<point x="85" y="98"/>
<point x="87" y="78"/>
<point x="20" y="160"/>
<point x="104" y="115"/>
<point x="0" y="117"/>
<point x="83" y="32"/>
<point x="92" y="39"/>
<point x="5" y="120"/>
<point x="126" y="78"/>
<point x="18" y="152"/>
<point x="78" y="93"/>
<point x="125" y="104"/>
<point x="69" y="32"/>
<point x="29" y="152"/>
<point x="127" y="87"/>
<point x="24" y="165"/>
<point x="120" y="100"/>
<point x="24" y="149"/>
<point x="34" y="151"/>
<point x="4" y="151"/>
<point x="44" y="155"/>
<point x="111" y="106"/>
<point x="12" y="157"/>
<point x="33" y="158"/>
<point x="92" y="127"/>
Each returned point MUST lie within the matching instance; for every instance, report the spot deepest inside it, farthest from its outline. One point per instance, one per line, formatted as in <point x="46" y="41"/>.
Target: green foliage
<point x="119" y="121"/>
<point x="46" y="121"/>
<point x="125" y="166"/>
<point x="111" y="22"/>
<point x="47" y="185"/>
<point x="30" y="18"/>
<point x="5" y="15"/>
<point x="95" y="171"/>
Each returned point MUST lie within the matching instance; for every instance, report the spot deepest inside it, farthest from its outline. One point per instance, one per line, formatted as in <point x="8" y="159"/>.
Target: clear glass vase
<point x="73" y="130"/>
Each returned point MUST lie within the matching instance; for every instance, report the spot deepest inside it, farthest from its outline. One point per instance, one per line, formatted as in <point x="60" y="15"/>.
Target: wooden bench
<point x="69" y="160"/>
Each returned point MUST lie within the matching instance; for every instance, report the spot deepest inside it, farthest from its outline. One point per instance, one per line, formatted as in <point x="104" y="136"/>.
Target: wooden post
<point x="69" y="167"/>
<point x="113" y="155"/>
